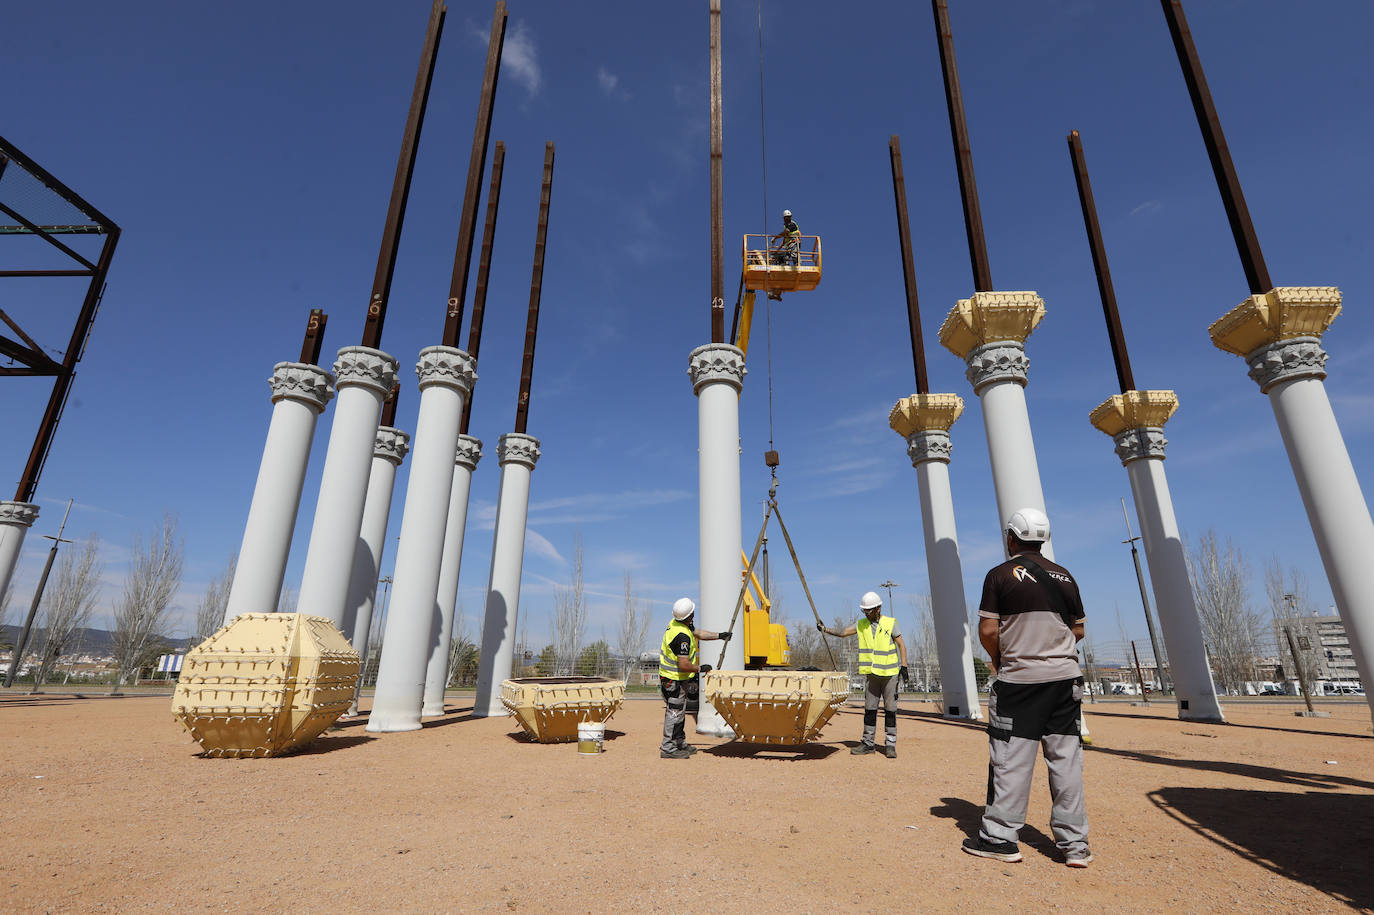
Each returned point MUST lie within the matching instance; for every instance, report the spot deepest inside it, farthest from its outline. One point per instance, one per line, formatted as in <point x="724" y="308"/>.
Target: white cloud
<point x="519" y="57"/>
<point x="539" y="545"/>
<point x="607" y="80"/>
<point x="1149" y="206"/>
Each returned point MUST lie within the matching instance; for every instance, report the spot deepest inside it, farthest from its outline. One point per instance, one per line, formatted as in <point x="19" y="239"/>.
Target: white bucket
<point x="590" y="737"/>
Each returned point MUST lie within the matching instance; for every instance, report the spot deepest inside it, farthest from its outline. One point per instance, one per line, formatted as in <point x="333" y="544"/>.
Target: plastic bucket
<point x="590" y="737"/>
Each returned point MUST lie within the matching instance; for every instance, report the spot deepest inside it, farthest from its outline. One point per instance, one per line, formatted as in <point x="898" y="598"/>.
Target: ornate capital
<point x="1287" y="360"/>
<point x="447" y="366"/>
<point x="995" y="362"/>
<point x="21" y="514"/>
<point x="1282" y="313"/>
<point x="470" y="452"/>
<point x="309" y="384"/>
<point x="1134" y="410"/>
<point x="517" y="448"/>
<point x="990" y="317"/>
<point x="1140" y="442"/>
<point x="716" y="362"/>
<point x="391" y="445"/>
<point x="929" y="445"/>
<point x="365" y="367"/>
<point x="923" y="412"/>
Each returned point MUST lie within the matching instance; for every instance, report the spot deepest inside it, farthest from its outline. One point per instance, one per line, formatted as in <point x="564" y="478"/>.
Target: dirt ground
<point x="105" y="805"/>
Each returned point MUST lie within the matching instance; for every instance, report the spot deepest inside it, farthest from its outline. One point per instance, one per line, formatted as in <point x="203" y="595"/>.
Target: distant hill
<point x="95" y="642"/>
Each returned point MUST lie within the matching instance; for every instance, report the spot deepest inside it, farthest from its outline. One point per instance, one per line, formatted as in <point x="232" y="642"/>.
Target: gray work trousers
<point x="884" y="689"/>
<point x="1024" y="717"/>
<point x="675" y="694"/>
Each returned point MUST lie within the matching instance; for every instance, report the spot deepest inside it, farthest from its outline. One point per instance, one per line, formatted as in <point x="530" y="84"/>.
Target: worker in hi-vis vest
<point x="677" y="675"/>
<point x="882" y="659"/>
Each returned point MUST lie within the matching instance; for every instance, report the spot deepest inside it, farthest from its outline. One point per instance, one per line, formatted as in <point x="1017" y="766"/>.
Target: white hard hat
<point x="870" y="601"/>
<point x="683" y="608"/>
<point x="1029" y="525"/>
<point x="786" y="214"/>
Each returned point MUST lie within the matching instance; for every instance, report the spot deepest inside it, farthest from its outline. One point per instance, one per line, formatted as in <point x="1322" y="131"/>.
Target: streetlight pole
<point x="889" y="585"/>
<point x="1144" y="598"/>
<point x="1298" y="667"/>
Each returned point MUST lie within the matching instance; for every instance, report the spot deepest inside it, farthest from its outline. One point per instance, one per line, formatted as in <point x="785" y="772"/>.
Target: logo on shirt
<point x="1022" y="573"/>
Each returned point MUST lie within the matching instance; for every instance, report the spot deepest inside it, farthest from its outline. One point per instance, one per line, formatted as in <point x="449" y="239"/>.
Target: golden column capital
<point x="925" y="413"/>
<point x="1280" y="314"/>
<point x="1134" y="410"/>
<point x="990" y="317"/>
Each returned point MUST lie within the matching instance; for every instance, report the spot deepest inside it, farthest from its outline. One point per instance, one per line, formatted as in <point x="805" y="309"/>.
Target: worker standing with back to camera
<point x="882" y="658"/>
<point x="1030" y="621"/>
<point x="678" y="675"/>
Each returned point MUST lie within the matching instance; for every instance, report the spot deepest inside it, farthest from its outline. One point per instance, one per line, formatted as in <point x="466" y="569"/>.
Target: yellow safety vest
<point x="877" y="650"/>
<point x="667" y="658"/>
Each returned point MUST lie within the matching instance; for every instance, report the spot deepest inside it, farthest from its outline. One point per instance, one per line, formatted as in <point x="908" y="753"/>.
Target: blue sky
<point x="248" y="151"/>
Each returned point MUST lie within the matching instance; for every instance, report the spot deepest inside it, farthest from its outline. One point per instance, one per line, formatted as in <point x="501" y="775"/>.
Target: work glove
<point x="724" y="636"/>
<point x="820" y="627"/>
<point x="904" y="674"/>
<point x="704" y="669"/>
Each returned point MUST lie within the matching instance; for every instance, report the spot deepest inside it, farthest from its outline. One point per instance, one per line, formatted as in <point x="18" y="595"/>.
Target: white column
<point x="1135" y="421"/>
<point x="469" y="452"/>
<point x="517" y="454"/>
<point x="717" y="373"/>
<point x="300" y="392"/>
<point x="387" y="454"/>
<point x="998" y="373"/>
<point x="924" y="421"/>
<point x="1279" y="334"/>
<point x="15" y="520"/>
<point x="363" y="377"/>
<point x="446" y="379"/>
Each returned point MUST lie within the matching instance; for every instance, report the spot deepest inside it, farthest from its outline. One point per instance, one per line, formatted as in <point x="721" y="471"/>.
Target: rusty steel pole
<point x="522" y="409"/>
<point x="1120" y="356"/>
<point x="913" y="307"/>
<point x="477" y="164"/>
<point x="963" y="152"/>
<point x="717" y="188"/>
<point x="389" y="407"/>
<point x="314" y="337"/>
<point x="479" y="296"/>
<point x="400" y="187"/>
<point x="1228" y="183"/>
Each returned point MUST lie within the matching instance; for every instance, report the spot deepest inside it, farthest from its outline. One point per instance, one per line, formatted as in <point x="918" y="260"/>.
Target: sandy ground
<point x="105" y="805"/>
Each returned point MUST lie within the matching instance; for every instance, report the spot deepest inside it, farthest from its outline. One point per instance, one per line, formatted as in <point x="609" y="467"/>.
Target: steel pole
<point x="717" y="185"/>
<point x="913" y="306"/>
<point x="522" y="408"/>
<point x="37" y="599"/>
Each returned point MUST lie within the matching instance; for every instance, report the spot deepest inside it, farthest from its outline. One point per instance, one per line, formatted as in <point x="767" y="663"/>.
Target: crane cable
<point x="767" y="301"/>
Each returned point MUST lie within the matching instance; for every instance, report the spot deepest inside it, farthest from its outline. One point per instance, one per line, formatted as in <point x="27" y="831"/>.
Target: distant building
<point x="1322" y="643"/>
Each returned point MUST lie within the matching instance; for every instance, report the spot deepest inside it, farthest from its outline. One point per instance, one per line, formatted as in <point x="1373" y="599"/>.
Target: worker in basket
<point x="784" y="249"/>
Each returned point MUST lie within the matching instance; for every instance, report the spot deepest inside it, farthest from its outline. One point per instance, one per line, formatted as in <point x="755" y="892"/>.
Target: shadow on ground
<point x="968" y="816"/>
<point x="739" y="750"/>
<point x="1245" y="770"/>
<point x="1317" y="838"/>
<point x="1258" y="727"/>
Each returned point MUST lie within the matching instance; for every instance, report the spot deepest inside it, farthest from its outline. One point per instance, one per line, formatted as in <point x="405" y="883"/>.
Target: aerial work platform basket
<point x="782" y="707"/>
<point x="775" y="267"/>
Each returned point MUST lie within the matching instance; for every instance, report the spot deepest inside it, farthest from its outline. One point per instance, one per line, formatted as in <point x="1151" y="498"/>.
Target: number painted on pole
<point x="453" y="308"/>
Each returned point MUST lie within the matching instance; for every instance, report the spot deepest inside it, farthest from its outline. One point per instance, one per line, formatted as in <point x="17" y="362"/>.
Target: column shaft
<point x="277" y="494"/>
<point x="15" y="520"/>
<point x="365" y="377"/>
<point x="411" y="625"/>
<point x="953" y="644"/>
<point x="437" y="671"/>
<point x="507" y="562"/>
<point x="1174" y="602"/>
<point x="718" y="479"/>
<point x="1336" y="508"/>
<point x="1011" y="450"/>
<point x="367" y="561"/>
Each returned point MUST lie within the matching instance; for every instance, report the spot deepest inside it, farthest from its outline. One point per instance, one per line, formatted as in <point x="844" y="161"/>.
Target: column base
<point x="710" y="730"/>
<point x="429" y="711"/>
<point x="392" y="723"/>
<point x="1201" y="717"/>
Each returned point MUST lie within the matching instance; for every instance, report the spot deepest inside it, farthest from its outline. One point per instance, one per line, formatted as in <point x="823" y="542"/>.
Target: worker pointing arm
<point x="882" y="658"/>
<point x="678" y="672"/>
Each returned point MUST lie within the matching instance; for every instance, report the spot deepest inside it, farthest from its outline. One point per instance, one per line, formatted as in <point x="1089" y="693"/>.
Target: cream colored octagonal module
<point x="266" y="684"/>
<point x="549" y="709"/>
<point x="925" y="413"/>
<point x="1281" y="313"/>
<point x="1134" y="410"/>
<point x="787" y="707"/>
<point x="990" y="317"/>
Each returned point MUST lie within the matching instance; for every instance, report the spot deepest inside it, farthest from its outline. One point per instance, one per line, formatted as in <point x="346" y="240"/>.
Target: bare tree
<point x="922" y="649"/>
<point x="634" y="628"/>
<point x="68" y="604"/>
<point x="1288" y="598"/>
<point x="569" y="615"/>
<point x="210" y="610"/>
<point x="140" y="615"/>
<point x="287" y="602"/>
<point x="1229" y="626"/>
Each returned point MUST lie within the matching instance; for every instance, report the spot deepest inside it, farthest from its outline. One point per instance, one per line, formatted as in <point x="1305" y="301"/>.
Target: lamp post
<point x="889" y="585"/>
